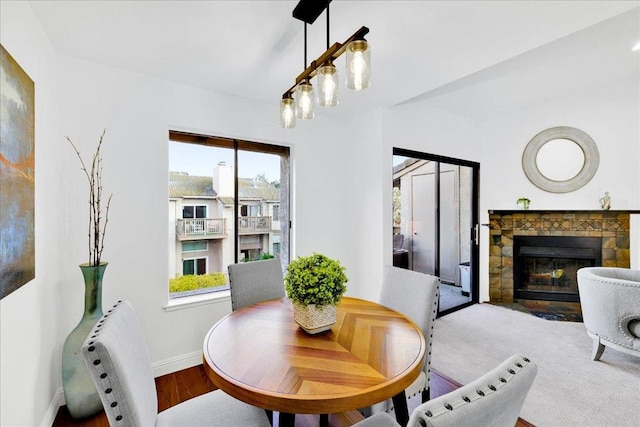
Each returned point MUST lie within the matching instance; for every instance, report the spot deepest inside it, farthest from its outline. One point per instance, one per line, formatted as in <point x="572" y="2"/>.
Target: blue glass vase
<point x="80" y="393"/>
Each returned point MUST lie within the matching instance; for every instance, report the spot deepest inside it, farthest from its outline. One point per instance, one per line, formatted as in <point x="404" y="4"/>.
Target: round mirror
<point x="560" y="159"/>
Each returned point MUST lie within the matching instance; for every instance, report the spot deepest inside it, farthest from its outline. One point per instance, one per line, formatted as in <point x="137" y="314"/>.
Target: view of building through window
<point x="205" y="234"/>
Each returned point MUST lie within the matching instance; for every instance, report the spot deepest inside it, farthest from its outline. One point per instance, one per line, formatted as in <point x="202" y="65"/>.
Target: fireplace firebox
<point x="545" y="267"/>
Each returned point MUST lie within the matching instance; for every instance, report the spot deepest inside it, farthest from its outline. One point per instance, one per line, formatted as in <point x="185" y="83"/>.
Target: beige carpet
<point x="569" y="390"/>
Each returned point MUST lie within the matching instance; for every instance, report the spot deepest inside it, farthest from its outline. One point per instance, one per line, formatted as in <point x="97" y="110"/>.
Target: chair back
<point x="495" y="399"/>
<point x="415" y="295"/>
<point x="118" y="360"/>
<point x="253" y="282"/>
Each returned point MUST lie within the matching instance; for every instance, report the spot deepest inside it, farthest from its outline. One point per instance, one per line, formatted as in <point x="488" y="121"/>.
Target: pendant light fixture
<point x="304" y="91"/>
<point x="358" y="65"/>
<point x="304" y="100"/>
<point x="358" y="70"/>
<point x="328" y="78"/>
<point x="328" y="85"/>
<point x="287" y="112"/>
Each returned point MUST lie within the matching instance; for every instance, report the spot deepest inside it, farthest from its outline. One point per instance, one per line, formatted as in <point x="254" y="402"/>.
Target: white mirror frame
<point x="586" y="144"/>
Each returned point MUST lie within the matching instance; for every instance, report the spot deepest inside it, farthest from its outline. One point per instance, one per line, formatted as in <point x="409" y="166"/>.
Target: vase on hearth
<point x="80" y="393"/>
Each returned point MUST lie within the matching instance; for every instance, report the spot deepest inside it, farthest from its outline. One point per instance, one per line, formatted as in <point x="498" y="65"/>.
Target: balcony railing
<point x="212" y="227"/>
<point x="193" y="227"/>
<point x="252" y="224"/>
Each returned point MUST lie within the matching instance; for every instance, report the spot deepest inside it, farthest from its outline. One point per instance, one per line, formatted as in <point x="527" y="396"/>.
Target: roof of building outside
<point x="183" y="185"/>
<point x="249" y="188"/>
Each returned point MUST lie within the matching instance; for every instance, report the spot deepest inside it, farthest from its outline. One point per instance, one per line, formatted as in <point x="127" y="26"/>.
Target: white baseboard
<point x="164" y="367"/>
<point x="52" y="410"/>
<point x="177" y="363"/>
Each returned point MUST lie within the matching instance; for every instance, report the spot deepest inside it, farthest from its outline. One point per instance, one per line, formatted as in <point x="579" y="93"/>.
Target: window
<point x="250" y="210"/>
<point x="194" y="266"/>
<point x="191" y="211"/>
<point x="225" y="201"/>
<point x="200" y="245"/>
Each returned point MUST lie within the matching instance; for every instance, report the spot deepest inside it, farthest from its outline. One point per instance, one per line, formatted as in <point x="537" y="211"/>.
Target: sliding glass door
<point x="436" y="222"/>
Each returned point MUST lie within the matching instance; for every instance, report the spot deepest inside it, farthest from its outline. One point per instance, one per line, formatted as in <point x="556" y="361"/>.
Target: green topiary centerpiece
<point x="315" y="284"/>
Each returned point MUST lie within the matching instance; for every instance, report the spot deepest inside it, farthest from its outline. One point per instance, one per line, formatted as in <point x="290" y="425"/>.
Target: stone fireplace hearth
<point x="611" y="227"/>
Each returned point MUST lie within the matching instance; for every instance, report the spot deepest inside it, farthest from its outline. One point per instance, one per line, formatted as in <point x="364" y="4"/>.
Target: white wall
<point x="610" y="114"/>
<point x="29" y="317"/>
<point x="368" y="208"/>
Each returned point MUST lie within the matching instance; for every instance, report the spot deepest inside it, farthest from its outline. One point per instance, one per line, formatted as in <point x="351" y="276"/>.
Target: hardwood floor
<point x="183" y="385"/>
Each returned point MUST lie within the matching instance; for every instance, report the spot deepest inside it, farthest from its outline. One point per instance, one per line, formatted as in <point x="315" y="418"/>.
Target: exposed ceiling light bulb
<point x="358" y="65"/>
<point x="328" y="85"/>
<point x="636" y="47"/>
<point x="287" y="112"/>
<point x="304" y="101"/>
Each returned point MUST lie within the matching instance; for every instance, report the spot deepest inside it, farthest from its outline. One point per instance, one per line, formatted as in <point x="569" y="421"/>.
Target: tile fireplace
<point x="535" y="254"/>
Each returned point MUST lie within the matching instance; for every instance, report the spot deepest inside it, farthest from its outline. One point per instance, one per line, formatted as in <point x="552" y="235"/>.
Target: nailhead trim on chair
<point x="105" y="380"/>
<point x="428" y="361"/>
<point x="491" y="388"/>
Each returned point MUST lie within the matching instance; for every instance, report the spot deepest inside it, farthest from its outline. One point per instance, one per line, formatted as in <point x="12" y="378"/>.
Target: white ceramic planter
<point x="314" y="319"/>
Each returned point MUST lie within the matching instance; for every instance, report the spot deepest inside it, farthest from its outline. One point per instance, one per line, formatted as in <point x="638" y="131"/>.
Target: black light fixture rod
<point x="305" y="45"/>
<point x="328" y="25"/>
<point x="330" y="54"/>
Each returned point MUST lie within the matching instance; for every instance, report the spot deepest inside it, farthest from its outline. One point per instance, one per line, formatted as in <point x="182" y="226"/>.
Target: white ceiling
<point x="420" y="49"/>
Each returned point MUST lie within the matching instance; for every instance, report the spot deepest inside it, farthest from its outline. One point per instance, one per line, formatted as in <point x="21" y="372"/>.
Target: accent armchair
<point x="118" y="360"/>
<point x="495" y="399"/>
<point x="610" y="301"/>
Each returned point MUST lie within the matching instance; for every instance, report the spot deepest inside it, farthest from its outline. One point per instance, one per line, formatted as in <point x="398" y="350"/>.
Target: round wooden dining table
<point x="261" y="356"/>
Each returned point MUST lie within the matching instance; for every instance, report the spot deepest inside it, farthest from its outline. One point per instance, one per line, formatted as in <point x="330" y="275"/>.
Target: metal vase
<point x="80" y="393"/>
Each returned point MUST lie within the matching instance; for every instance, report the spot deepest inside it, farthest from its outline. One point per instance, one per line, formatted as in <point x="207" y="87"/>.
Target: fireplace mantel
<point x="611" y="226"/>
<point x="556" y="211"/>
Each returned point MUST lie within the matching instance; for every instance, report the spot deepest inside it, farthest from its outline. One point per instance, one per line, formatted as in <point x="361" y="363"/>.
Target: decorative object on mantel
<point x="80" y="393"/>
<point x="605" y="201"/>
<point x="587" y="165"/>
<point x="358" y="65"/>
<point x="315" y="284"/>
<point x="524" y="202"/>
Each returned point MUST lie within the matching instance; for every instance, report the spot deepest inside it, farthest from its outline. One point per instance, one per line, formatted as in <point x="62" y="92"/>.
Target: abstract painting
<point x="17" y="175"/>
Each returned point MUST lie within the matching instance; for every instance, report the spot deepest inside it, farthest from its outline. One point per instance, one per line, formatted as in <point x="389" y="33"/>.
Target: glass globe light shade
<point x="328" y="85"/>
<point x="287" y="113"/>
<point x="358" y="55"/>
<point x="304" y="101"/>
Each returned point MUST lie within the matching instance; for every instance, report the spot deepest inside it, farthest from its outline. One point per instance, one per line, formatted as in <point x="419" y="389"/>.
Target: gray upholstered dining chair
<point x="495" y="399"/>
<point x="253" y="282"/>
<point x="118" y="359"/>
<point x="415" y="295"/>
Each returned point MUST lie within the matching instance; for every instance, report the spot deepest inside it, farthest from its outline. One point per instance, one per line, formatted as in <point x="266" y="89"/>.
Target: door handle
<point x="476" y="232"/>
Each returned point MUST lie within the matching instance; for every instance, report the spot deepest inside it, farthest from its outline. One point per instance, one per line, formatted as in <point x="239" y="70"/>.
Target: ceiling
<point x="420" y="49"/>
